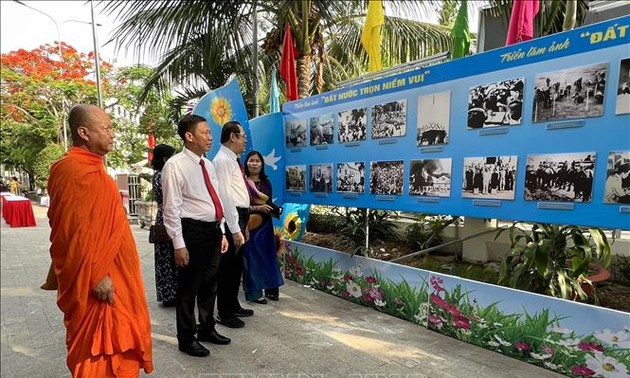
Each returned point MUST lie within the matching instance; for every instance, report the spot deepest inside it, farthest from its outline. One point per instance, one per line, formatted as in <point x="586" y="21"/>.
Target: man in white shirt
<point x="193" y="216"/>
<point x="235" y="197"/>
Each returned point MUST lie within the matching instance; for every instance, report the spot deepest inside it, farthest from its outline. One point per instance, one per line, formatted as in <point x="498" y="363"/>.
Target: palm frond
<point x="200" y="43"/>
<point x="156" y="26"/>
<point x="182" y="98"/>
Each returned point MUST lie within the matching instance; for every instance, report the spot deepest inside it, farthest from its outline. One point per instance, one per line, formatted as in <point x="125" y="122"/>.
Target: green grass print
<point x="533" y="338"/>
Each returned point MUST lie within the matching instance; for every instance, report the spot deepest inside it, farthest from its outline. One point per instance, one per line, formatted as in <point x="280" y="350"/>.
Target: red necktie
<point x="215" y="199"/>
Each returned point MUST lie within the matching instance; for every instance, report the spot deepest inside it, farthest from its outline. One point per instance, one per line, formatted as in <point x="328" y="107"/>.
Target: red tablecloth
<point x="17" y="211"/>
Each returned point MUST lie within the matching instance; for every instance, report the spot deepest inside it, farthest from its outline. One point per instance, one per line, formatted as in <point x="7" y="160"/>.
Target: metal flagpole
<point x="255" y="55"/>
<point x="99" y="98"/>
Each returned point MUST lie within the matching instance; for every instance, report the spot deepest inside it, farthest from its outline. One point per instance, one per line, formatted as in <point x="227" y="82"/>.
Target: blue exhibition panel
<point x="554" y="126"/>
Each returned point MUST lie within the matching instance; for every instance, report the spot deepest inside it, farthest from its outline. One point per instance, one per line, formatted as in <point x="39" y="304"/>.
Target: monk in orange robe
<point x="100" y="288"/>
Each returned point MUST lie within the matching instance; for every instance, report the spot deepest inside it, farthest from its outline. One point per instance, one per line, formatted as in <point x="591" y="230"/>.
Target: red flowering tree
<point x="37" y="87"/>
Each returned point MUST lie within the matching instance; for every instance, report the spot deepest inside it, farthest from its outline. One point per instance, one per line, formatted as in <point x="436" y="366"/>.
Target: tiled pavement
<point x="306" y="334"/>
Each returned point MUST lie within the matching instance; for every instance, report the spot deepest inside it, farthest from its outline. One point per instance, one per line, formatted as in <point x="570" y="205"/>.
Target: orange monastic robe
<point x="90" y="239"/>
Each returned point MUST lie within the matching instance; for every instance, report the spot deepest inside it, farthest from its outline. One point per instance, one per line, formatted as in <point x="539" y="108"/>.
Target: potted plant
<point x="554" y="260"/>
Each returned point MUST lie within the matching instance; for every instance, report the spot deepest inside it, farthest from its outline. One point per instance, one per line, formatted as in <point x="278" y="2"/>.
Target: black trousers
<point x="197" y="281"/>
<point x="231" y="271"/>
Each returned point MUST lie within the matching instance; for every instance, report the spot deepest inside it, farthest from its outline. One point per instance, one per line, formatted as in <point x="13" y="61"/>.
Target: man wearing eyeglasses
<point x="235" y="198"/>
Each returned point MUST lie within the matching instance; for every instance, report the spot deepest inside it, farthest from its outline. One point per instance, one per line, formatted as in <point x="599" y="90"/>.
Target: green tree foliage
<point x="46" y="158"/>
<point x="153" y="117"/>
<point x="201" y="43"/>
<point x="154" y="111"/>
<point x="553" y="259"/>
<point x="37" y="88"/>
<point x="448" y="12"/>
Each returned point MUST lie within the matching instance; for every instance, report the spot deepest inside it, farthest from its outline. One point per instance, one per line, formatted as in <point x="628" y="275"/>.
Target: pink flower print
<point x="437" y="284"/>
<point x="377" y="293"/>
<point x="434" y="319"/>
<point x="345" y="293"/>
<point x="289" y="259"/>
<point x="441" y="303"/>
<point x="370" y="279"/>
<point x="548" y="350"/>
<point x="461" y="322"/>
<point x="522" y="346"/>
<point x="584" y="345"/>
<point x="438" y="301"/>
<point x="347" y="277"/>
<point x="582" y="370"/>
<point x="397" y="301"/>
<point x="452" y="310"/>
<point x="299" y="271"/>
<point x="371" y="294"/>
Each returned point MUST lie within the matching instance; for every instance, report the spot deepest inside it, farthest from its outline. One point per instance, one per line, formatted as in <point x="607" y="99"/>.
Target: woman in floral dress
<point x="165" y="269"/>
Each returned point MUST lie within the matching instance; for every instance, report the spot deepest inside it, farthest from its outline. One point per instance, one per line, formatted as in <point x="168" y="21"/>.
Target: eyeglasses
<point x="240" y="135"/>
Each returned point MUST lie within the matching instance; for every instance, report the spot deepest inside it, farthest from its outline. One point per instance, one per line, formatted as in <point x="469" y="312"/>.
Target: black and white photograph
<point x="386" y="177"/>
<point x="430" y="177"/>
<point x="623" y="88"/>
<point x="322" y="130"/>
<point x="389" y="120"/>
<point x="433" y="118"/>
<point x="296" y="178"/>
<point x="572" y="93"/>
<point x="296" y="133"/>
<point x="566" y="177"/>
<point x="352" y="125"/>
<point x="351" y="177"/>
<point x="321" y="178"/>
<point x="496" y="104"/>
<point x="617" y="189"/>
<point x="489" y="177"/>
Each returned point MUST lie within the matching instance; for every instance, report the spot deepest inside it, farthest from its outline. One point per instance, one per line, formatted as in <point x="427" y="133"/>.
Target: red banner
<point x="151" y="144"/>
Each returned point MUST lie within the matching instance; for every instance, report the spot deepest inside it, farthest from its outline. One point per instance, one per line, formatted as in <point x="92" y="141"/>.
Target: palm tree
<point x="201" y="43"/>
<point x="198" y="43"/>
<point x="330" y="50"/>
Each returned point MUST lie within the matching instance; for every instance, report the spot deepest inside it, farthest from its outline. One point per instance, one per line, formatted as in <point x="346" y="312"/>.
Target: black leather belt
<point x="204" y="224"/>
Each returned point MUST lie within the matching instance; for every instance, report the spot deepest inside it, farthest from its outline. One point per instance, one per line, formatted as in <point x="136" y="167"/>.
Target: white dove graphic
<point x="271" y="159"/>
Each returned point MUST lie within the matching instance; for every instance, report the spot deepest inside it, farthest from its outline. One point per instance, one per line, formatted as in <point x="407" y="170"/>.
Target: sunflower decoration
<point x="221" y="110"/>
<point x="292" y="225"/>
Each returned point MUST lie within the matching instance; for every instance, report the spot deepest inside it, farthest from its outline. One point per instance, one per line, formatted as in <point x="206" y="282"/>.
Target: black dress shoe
<point x="231" y="322"/>
<point x="243" y="313"/>
<point x="194" y="349"/>
<point x="260" y="301"/>
<point x="213" y="337"/>
<point x="273" y="297"/>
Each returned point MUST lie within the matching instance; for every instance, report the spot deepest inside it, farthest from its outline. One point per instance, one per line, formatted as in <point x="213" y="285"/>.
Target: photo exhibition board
<point x="537" y="131"/>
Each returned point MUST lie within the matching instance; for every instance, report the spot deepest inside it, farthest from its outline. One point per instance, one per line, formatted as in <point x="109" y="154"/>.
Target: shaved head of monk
<point x="91" y="129"/>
